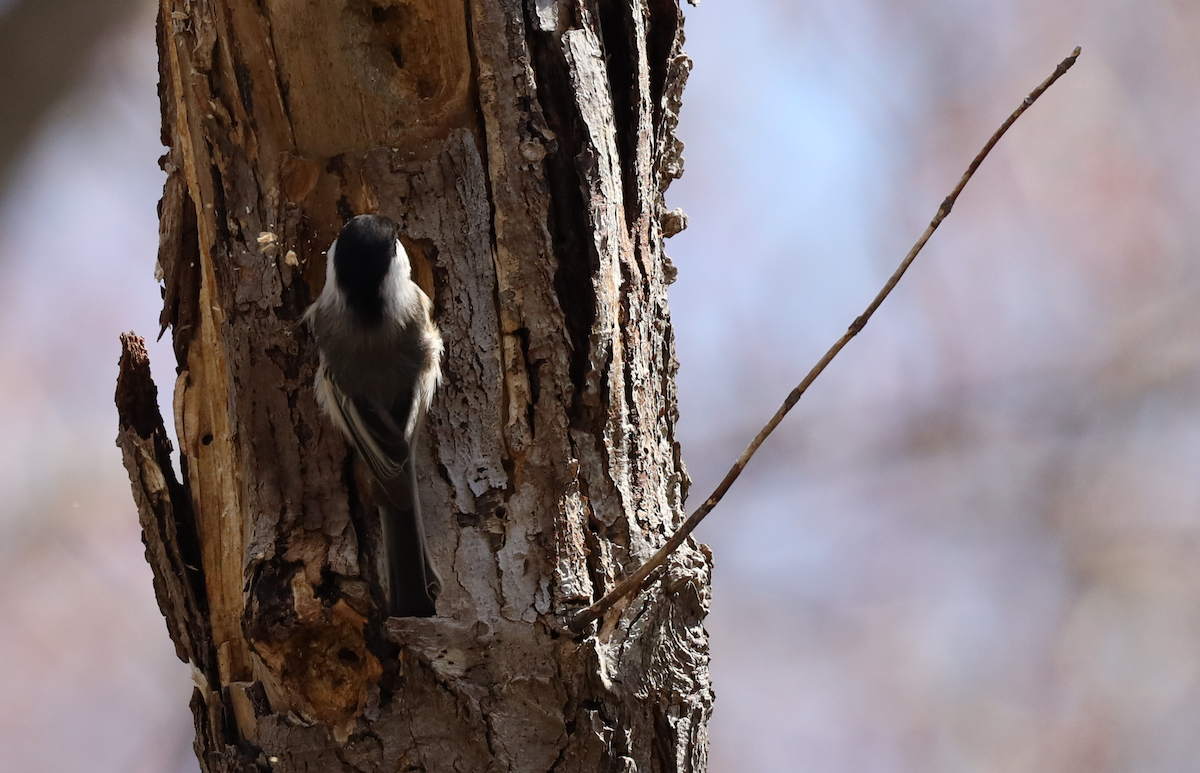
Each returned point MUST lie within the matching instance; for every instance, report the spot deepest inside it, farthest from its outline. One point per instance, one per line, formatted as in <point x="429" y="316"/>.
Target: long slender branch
<point x="585" y="617"/>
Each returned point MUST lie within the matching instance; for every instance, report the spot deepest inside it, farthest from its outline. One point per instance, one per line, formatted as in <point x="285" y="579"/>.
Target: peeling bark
<point x="525" y="149"/>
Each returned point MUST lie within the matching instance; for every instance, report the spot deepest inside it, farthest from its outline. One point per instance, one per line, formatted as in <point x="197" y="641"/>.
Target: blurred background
<point x="974" y="546"/>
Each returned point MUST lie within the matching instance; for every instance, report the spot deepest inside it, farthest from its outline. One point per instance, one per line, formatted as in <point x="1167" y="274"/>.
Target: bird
<point x="380" y="364"/>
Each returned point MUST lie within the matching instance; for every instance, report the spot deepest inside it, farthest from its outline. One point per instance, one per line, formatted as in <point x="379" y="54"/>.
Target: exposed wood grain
<point x="524" y="148"/>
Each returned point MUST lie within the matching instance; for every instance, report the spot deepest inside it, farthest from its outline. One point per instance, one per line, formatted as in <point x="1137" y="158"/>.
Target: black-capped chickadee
<point x="380" y="363"/>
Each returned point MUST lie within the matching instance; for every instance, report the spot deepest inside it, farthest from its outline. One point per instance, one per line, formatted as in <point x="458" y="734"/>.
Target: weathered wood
<point x="525" y="149"/>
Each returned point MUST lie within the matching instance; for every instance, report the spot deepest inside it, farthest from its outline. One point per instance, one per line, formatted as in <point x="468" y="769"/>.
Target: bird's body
<point x="380" y="364"/>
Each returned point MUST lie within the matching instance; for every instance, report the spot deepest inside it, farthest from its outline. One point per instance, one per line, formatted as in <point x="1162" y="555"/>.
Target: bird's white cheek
<point x="329" y="262"/>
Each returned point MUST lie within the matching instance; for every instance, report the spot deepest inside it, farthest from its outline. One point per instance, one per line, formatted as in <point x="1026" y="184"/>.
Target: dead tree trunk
<point x="524" y="148"/>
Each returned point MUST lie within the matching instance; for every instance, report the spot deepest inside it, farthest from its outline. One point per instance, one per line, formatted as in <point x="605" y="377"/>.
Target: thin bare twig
<point x="585" y="617"/>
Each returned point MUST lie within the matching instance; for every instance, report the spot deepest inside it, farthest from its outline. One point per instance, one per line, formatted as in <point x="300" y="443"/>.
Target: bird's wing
<point x="375" y="434"/>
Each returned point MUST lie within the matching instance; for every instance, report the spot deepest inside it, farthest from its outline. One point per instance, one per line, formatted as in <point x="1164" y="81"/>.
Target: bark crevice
<point x="519" y="148"/>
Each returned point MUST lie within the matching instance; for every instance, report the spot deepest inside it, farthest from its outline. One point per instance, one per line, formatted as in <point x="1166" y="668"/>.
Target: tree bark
<point x="524" y="148"/>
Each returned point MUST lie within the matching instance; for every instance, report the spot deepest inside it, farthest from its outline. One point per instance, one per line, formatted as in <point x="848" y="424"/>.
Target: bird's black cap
<point x="364" y="253"/>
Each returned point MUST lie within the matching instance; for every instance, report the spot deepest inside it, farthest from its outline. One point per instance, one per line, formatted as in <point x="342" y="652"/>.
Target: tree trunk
<point x="524" y="148"/>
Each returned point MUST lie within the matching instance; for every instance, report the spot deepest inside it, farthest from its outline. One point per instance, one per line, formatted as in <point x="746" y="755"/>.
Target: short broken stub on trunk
<point x="524" y="148"/>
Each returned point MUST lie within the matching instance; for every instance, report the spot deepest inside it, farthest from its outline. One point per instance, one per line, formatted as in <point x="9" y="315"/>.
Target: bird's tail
<point x="412" y="584"/>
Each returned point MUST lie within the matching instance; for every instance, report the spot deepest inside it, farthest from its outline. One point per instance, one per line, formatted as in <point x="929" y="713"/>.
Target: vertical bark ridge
<point x="524" y="147"/>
